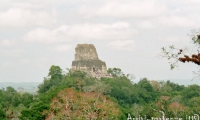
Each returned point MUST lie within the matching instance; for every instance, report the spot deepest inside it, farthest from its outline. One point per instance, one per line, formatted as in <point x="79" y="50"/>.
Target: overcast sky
<point x="128" y="34"/>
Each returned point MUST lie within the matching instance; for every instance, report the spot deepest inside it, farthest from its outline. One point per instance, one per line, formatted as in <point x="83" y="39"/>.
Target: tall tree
<point x="115" y="72"/>
<point x="55" y="72"/>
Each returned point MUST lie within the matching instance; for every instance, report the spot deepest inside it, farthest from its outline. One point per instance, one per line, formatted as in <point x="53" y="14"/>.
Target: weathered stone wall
<point x="86" y="59"/>
<point x="90" y="65"/>
<point x="85" y="52"/>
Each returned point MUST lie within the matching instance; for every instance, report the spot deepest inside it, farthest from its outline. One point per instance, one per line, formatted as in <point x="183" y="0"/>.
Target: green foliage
<point x="115" y="72"/>
<point x="190" y="92"/>
<point x="2" y="112"/>
<point x="12" y="102"/>
<point x="45" y="86"/>
<point x="55" y="74"/>
<point x="27" y="99"/>
<point x="144" y="83"/>
<point x="142" y="98"/>
<point x="77" y="73"/>
<point x="35" y="113"/>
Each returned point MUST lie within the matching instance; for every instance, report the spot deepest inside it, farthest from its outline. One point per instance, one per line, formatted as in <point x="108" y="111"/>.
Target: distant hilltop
<point x="30" y="87"/>
<point x="86" y="59"/>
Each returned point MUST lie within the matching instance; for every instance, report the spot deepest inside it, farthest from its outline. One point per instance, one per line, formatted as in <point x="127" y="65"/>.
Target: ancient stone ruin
<point x="86" y="59"/>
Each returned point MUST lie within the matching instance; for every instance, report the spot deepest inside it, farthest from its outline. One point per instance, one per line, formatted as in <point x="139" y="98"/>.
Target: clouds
<point x="147" y="25"/>
<point x="46" y="32"/>
<point x="62" y="48"/>
<point x="6" y="64"/>
<point x="122" y="45"/>
<point x="125" y="9"/>
<point x="81" y="32"/>
<point x="26" y="14"/>
<point x="42" y="35"/>
<point x="180" y="21"/>
<point x="12" y="52"/>
<point x="8" y="49"/>
<point x="5" y="43"/>
<point x="19" y="18"/>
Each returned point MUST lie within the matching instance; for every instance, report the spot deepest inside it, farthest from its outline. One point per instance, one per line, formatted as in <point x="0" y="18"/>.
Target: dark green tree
<point x="55" y="77"/>
<point x="115" y="72"/>
<point x="55" y="72"/>
<point x="35" y="112"/>
<point x="2" y="112"/>
<point x="146" y="91"/>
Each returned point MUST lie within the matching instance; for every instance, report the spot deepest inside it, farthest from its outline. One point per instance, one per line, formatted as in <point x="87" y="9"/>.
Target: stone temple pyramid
<point x="86" y="59"/>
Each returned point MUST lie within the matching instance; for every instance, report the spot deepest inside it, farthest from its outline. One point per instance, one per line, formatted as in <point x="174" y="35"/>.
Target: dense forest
<point x="77" y="96"/>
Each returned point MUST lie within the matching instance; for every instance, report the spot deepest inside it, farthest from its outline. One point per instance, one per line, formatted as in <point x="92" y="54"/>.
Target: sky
<point x="127" y="34"/>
